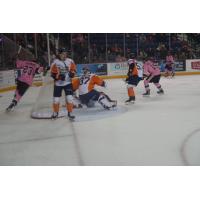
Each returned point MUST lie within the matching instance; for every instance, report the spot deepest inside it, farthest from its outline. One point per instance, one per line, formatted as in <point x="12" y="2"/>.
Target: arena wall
<point x="105" y="70"/>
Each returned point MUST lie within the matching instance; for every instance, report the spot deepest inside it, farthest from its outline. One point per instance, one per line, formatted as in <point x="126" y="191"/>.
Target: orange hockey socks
<point x="131" y="92"/>
<point x="56" y="107"/>
<point x="69" y="107"/>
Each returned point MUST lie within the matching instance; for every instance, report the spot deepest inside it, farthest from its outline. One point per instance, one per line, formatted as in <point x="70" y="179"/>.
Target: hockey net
<point x="42" y="108"/>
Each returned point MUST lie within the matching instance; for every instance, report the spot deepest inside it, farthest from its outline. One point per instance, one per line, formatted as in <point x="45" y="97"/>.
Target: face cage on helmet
<point x="86" y="73"/>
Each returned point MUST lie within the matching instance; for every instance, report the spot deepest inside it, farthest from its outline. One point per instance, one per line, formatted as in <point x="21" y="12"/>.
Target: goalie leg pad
<point x="105" y="103"/>
<point x="76" y="102"/>
<point x="91" y="103"/>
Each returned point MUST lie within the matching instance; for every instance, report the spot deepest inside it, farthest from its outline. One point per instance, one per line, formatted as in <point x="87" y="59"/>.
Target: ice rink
<point x="156" y="130"/>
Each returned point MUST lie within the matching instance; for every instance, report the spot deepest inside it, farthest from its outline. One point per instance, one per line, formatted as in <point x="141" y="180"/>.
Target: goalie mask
<point x="86" y="71"/>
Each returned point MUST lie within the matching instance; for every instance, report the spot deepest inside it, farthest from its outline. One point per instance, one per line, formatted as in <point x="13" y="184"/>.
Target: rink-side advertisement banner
<point x="193" y="65"/>
<point x="7" y="78"/>
<point x="99" y="69"/>
<point x="117" y="68"/>
<point x="179" y="65"/>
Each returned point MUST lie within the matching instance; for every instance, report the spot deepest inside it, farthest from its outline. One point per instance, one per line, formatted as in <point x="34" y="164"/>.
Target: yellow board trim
<point x="13" y="87"/>
<point x="176" y="73"/>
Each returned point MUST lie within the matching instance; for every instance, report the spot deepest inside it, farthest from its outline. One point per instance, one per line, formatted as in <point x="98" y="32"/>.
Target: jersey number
<point x="27" y="70"/>
<point x="84" y="81"/>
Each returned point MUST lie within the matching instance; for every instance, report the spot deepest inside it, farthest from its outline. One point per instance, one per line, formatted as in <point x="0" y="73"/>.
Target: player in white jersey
<point x="87" y="94"/>
<point x="63" y="70"/>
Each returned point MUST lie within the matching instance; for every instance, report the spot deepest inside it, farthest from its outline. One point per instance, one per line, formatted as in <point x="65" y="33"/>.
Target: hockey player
<point x="169" y="67"/>
<point x="63" y="70"/>
<point x="88" y="95"/>
<point x="151" y="74"/>
<point x="134" y="76"/>
<point x="26" y="70"/>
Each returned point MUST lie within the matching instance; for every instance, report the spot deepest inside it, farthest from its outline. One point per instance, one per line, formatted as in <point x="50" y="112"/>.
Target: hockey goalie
<point x="88" y="95"/>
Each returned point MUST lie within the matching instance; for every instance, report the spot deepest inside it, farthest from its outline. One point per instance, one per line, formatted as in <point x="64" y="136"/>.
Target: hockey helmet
<point x="62" y="50"/>
<point x="132" y="55"/>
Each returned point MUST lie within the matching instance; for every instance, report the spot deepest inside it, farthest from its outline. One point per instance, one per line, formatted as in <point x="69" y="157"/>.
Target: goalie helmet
<point x="86" y="71"/>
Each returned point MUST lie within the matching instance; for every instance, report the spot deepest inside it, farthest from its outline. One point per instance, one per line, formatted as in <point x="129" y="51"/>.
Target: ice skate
<point x="78" y="106"/>
<point x="130" y="100"/>
<point x="54" y="115"/>
<point x="11" y="106"/>
<point x="147" y="93"/>
<point x="114" y="104"/>
<point x="161" y="91"/>
<point x="71" y="117"/>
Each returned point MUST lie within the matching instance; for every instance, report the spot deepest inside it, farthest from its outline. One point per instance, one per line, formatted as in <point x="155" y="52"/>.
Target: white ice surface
<point x="154" y="131"/>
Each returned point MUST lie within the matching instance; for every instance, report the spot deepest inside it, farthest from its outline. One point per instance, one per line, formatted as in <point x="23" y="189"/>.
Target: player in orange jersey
<point x="134" y="76"/>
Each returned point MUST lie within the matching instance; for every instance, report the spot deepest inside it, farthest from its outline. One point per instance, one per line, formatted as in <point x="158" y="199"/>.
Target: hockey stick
<point x="19" y="49"/>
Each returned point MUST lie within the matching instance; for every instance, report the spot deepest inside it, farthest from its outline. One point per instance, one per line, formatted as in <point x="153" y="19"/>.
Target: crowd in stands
<point x="110" y="47"/>
<point x="119" y="46"/>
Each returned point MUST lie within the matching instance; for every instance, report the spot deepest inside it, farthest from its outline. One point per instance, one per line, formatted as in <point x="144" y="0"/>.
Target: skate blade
<point x="129" y="103"/>
<point x="54" y="118"/>
<point x="9" y="110"/>
<point x="70" y="118"/>
<point x="114" y="106"/>
<point x="146" y="96"/>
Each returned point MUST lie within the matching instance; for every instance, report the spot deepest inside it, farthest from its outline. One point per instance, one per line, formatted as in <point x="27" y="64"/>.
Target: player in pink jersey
<point x="169" y="68"/>
<point x="26" y="71"/>
<point x="151" y="74"/>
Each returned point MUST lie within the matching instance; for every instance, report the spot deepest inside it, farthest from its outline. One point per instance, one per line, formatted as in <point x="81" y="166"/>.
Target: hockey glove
<point x="71" y="74"/>
<point x="62" y="77"/>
